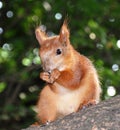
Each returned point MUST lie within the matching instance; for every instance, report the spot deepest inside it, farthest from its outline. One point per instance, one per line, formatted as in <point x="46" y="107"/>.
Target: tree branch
<point x="103" y="116"/>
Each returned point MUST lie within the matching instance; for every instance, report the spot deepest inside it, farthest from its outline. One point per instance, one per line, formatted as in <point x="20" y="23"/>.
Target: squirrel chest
<point x="67" y="100"/>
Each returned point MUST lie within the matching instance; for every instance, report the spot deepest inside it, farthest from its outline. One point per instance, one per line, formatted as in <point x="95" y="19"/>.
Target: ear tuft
<point x="64" y="32"/>
<point x="40" y="36"/>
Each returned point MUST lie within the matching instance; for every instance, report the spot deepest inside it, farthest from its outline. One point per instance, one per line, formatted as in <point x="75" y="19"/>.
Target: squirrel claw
<point x="90" y="103"/>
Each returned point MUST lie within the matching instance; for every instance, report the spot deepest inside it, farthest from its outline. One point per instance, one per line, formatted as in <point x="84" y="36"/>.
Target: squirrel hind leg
<point x="89" y="103"/>
<point x="45" y="120"/>
<point x="46" y="106"/>
<point x="35" y="124"/>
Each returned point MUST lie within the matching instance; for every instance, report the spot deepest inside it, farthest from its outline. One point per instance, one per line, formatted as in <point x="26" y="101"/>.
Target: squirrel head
<point x="54" y="51"/>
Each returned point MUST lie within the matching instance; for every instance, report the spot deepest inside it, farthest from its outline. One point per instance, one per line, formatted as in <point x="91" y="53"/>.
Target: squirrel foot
<point x="90" y="103"/>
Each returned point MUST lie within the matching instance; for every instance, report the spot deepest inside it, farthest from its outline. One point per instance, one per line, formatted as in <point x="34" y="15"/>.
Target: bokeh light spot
<point x="1" y="30"/>
<point x="47" y="6"/>
<point x="43" y="28"/>
<point x="36" y="51"/>
<point x="58" y="16"/>
<point x="36" y="60"/>
<point x="111" y="91"/>
<point x="2" y="86"/>
<point x="26" y="62"/>
<point x="99" y="46"/>
<point x="1" y="4"/>
<point x="35" y="18"/>
<point x="50" y="34"/>
<point x="33" y="88"/>
<point x="22" y="95"/>
<point x="92" y="36"/>
<point x="4" y="54"/>
<point x="34" y="108"/>
<point x="118" y="43"/>
<point x="112" y="20"/>
<point x="115" y="67"/>
<point x="9" y="14"/>
<point x="7" y="47"/>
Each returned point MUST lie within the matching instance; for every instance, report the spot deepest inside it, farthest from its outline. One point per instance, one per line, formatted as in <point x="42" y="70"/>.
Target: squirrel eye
<point x="58" y="52"/>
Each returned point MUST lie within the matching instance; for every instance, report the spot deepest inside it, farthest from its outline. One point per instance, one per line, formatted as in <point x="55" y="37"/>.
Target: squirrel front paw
<point x="50" y="77"/>
<point x="54" y="75"/>
<point x="45" y="76"/>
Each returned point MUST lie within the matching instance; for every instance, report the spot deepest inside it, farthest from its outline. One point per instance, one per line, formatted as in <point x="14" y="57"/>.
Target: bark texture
<point x="103" y="116"/>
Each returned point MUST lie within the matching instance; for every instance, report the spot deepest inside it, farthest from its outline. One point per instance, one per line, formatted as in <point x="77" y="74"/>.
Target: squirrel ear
<point x="40" y="36"/>
<point x="64" y="33"/>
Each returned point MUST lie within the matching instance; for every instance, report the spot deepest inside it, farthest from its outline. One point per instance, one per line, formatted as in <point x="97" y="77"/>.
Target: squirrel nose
<point x="45" y="65"/>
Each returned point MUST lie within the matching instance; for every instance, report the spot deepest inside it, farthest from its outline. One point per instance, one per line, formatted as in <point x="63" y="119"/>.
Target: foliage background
<point x="95" y="32"/>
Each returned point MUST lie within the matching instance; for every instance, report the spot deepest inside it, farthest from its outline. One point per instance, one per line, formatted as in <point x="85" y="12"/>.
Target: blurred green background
<point x="95" y="32"/>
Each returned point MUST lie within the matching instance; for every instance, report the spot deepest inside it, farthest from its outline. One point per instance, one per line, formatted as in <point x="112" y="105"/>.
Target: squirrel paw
<point x="90" y="103"/>
<point x="54" y="75"/>
<point x="35" y="124"/>
<point x="50" y="77"/>
<point x="45" y="76"/>
<point x="48" y="122"/>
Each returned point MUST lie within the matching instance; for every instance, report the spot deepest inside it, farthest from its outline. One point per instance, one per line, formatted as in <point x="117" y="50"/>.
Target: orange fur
<point x="72" y="79"/>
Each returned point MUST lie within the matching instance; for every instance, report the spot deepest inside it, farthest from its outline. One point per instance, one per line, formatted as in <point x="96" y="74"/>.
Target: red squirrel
<point x="72" y="80"/>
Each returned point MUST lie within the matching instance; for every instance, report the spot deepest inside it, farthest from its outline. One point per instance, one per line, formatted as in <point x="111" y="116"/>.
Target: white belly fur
<point x="67" y="101"/>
